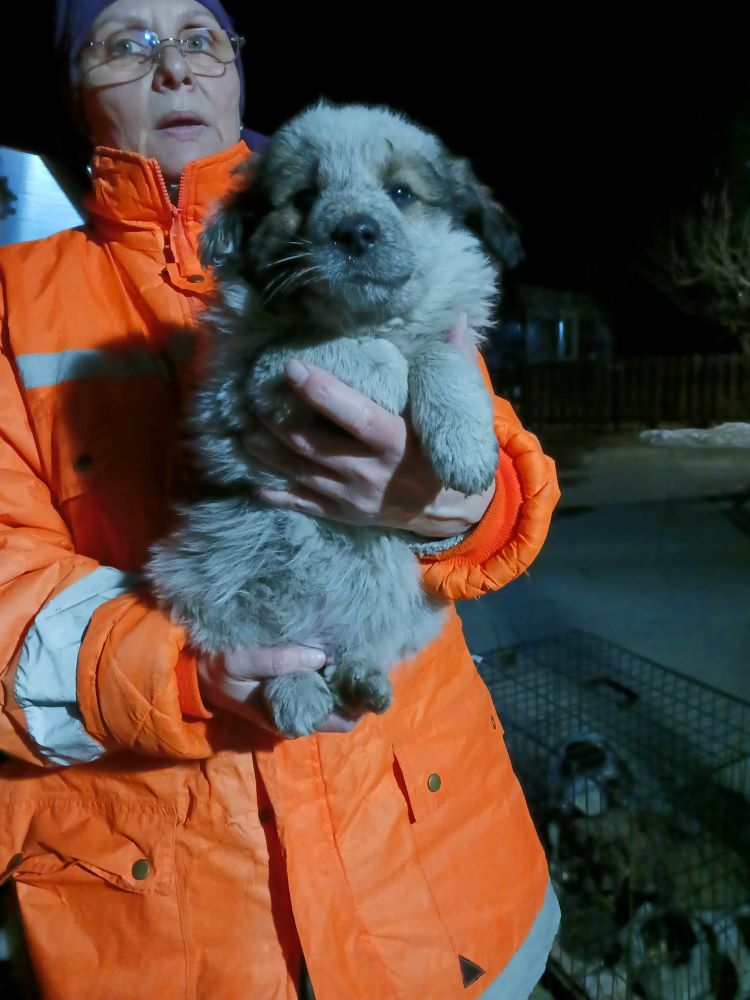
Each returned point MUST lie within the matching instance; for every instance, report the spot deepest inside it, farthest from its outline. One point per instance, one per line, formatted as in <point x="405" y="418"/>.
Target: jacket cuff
<point x="188" y="689"/>
<point x="495" y="527"/>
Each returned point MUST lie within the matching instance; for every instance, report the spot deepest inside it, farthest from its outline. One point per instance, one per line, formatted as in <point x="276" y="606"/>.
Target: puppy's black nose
<point x="356" y="235"/>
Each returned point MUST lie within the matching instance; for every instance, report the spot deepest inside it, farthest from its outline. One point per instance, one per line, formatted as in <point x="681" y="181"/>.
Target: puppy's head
<point x="358" y="210"/>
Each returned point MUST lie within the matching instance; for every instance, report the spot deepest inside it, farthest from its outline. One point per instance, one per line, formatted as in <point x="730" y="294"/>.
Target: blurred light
<point x="41" y="208"/>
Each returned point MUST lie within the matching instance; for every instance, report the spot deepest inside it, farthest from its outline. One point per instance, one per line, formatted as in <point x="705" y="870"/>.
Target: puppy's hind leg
<point x="358" y="684"/>
<point x="298" y="703"/>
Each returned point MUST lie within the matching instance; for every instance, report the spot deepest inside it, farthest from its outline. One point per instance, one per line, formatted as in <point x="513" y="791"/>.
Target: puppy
<point x="353" y="244"/>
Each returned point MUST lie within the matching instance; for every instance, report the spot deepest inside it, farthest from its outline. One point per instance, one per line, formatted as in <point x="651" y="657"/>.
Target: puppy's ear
<point x="484" y="216"/>
<point x="223" y="242"/>
<point x="221" y="239"/>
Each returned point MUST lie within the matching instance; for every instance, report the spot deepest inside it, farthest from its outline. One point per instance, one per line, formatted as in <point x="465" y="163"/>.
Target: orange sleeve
<point x="131" y="674"/>
<point x="137" y="682"/>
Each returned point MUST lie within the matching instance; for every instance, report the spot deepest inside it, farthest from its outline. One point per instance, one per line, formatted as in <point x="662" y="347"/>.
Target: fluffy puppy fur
<point x="354" y="243"/>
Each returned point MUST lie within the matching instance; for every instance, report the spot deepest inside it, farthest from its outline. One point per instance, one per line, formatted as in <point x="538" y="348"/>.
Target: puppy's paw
<point x="465" y="458"/>
<point x="298" y="703"/>
<point x="359" y="686"/>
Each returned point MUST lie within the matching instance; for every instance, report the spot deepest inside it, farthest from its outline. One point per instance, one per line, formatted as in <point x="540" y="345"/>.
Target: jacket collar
<point x="129" y="190"/>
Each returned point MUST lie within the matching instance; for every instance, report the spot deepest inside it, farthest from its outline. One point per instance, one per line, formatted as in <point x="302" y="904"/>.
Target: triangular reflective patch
<point x="470" y="971"/>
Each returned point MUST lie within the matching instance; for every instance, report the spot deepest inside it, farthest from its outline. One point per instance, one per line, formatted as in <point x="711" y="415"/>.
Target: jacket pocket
<point x="93" y="434"/>
<point x="460" y="758"/>
<point x="95" y="885"/>
<point x="130" y="845"/>
<point x="108" y="453"/>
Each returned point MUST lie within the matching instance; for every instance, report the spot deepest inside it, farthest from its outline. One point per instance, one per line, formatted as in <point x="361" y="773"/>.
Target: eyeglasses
<point x="131" y="52"/>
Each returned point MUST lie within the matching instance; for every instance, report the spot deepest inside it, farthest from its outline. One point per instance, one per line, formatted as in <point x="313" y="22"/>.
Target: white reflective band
<point x="46" y="678"/>
<point x="37" y="370"/>
<point x="525" y="969"/>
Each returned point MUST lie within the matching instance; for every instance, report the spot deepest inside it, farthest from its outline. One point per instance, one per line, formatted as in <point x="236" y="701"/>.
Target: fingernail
<point x="296" y="372"/>
<point x="274" y="498"/>
<point x="313" y="659"/>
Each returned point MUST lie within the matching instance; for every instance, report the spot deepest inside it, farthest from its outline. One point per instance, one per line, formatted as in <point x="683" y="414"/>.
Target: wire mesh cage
<point x="638" y="780"/>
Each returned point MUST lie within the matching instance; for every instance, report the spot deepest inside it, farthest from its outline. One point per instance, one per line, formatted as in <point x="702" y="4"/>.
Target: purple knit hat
<point x="73" y="20"/>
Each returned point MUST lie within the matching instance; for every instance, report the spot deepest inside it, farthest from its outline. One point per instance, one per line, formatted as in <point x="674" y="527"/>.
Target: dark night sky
<point x="588" y="129"/>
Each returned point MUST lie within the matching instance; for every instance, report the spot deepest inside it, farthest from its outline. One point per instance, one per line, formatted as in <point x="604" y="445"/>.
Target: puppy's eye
<point x="401" y="194"/>
<point x="304" y="200"/>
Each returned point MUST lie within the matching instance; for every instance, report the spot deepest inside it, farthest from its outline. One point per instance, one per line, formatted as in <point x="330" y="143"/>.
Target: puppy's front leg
<point x="372" y="366"/>
<point x="451" y="412"/>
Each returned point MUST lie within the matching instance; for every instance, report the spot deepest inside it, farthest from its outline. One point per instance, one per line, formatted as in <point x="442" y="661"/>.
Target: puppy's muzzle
<point x="356" y="235"/>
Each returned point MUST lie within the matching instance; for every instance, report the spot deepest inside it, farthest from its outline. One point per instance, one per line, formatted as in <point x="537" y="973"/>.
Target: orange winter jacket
<point x="162" y="850"/>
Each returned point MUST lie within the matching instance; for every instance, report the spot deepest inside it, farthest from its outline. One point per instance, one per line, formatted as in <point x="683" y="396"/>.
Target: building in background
<point x="544" y="325"/>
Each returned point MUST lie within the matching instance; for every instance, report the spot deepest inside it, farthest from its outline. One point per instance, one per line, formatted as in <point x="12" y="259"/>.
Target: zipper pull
<point x="183" y="267"/>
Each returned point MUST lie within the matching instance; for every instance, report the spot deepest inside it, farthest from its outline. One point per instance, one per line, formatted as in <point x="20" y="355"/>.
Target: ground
<point x="649" y="548"/>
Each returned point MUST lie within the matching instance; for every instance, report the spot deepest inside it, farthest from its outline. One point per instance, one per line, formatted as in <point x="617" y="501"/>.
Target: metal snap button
<point x="141" y="869"/>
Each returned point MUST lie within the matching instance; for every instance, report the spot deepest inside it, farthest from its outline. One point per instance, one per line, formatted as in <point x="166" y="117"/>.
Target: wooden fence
<point x="695" y="391"/>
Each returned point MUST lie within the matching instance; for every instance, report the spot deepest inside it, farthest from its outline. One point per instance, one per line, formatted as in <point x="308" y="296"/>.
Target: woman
<point x="163" y="841"/>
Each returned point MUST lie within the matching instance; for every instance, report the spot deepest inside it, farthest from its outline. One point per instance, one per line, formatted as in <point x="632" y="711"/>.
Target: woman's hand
<point x="368" y="467"/>
<point x="234" y="681"/>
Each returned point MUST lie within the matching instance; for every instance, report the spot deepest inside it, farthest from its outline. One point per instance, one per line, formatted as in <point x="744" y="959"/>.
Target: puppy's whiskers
<point x="285" y="260"/>
<point x="284" y="285"/>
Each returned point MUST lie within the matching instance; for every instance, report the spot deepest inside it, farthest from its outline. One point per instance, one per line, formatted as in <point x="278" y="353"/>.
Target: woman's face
<point x="169" y="111"/>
